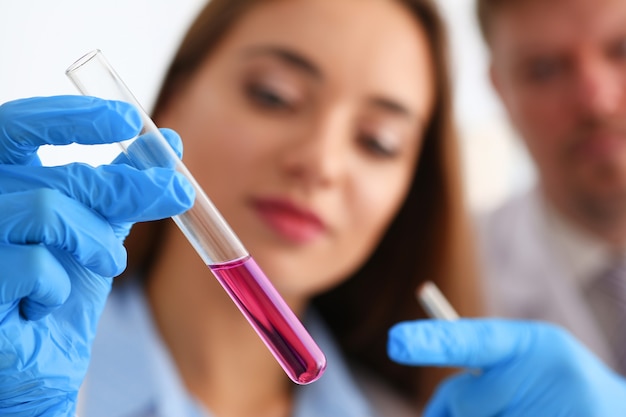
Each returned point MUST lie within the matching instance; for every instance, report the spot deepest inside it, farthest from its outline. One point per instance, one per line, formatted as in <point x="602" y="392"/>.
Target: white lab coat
<point x="529" y="275"/>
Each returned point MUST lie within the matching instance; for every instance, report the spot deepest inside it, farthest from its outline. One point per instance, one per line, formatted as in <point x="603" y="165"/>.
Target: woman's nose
<point x="319" y="154"/>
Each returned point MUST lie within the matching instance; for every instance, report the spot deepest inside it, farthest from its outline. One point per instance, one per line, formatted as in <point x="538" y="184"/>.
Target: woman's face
<point x="304" y="127"/>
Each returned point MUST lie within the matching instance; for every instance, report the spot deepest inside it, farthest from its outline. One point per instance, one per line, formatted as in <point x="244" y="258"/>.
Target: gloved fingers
<point x="83" y="308"/>
<point x="173" y="138"/>
<point x="440" y="403"/>
<point x="148" y="147"/>
<point x="468" y="394"/>
<point x="474" y="343"/>
<point x="33" y="277"/>
<point x="47" y="217"/>
<point x="26" y="124"/>
<point x="119" y="193"/>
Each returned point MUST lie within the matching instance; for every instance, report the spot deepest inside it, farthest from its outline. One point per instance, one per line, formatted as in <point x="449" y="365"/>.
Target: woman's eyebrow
<point x="393" y="107"/>
<point x="305" y="65"/>
<point x="289" y="57"/>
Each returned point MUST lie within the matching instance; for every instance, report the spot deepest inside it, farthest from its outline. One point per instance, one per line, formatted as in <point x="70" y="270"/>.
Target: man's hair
<point x="485" y="11"/>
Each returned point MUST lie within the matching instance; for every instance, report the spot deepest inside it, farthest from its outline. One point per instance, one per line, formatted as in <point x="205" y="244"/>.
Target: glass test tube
<point x="434" y="302"/>
<point x="208" y="232"/>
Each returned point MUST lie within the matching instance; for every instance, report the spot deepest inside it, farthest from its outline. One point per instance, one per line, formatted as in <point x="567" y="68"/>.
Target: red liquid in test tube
<point x="275" y="323"/>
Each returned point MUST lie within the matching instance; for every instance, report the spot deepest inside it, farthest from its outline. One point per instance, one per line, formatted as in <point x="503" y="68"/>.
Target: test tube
<point x="434" y="302"/>
<point x="210" y="235"/>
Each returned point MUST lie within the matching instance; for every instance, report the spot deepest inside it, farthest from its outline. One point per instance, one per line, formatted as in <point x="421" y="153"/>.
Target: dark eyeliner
<point x="265" y="97"/>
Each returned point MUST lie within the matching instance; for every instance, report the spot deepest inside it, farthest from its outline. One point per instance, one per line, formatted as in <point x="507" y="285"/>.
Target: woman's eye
<point x="377" y="146"/>
<point x="267" y="97"/>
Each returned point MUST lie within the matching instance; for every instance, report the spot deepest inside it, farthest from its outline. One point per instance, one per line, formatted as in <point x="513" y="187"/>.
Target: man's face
<point x="560" y="69"/>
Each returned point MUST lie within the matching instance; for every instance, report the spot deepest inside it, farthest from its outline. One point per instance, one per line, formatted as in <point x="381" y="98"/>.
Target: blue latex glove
<point x="519" y="368"/>
<point x="61" y="241"/>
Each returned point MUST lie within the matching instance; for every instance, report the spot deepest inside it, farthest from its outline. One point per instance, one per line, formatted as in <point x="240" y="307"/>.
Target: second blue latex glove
<point x="61" y="242"/>
<point x="519" y="368"/>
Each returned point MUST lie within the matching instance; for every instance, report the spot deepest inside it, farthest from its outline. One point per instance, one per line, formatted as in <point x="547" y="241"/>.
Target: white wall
<point x="39" y="39"/>
<point x="496" y="163"/>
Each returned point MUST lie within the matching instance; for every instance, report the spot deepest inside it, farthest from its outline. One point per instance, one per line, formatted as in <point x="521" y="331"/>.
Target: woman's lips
<point x="290" y="221"/>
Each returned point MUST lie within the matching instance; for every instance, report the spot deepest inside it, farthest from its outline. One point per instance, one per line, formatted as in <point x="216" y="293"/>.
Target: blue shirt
<point x="132" y="374"/>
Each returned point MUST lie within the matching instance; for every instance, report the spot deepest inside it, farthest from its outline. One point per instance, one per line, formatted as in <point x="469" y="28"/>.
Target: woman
<point x="322" y="132"/>
<point x="332" y="156"/>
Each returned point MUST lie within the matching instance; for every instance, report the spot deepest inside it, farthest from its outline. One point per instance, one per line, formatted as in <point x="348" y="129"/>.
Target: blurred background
<point x="39" y="39"/>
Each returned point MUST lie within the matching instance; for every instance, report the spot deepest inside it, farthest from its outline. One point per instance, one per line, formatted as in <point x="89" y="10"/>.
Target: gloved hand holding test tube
<point x="210" y="235"/>
<point x="513" y="367"/>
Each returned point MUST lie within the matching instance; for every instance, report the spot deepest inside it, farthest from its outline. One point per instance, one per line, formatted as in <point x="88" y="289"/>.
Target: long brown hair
<point x="428" y="240"/>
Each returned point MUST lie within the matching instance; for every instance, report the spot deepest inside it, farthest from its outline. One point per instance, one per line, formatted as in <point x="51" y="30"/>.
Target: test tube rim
<point x="82" y="61"/>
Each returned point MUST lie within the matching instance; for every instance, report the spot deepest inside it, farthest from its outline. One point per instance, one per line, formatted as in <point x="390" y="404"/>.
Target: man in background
<point x="558" y="253"/>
